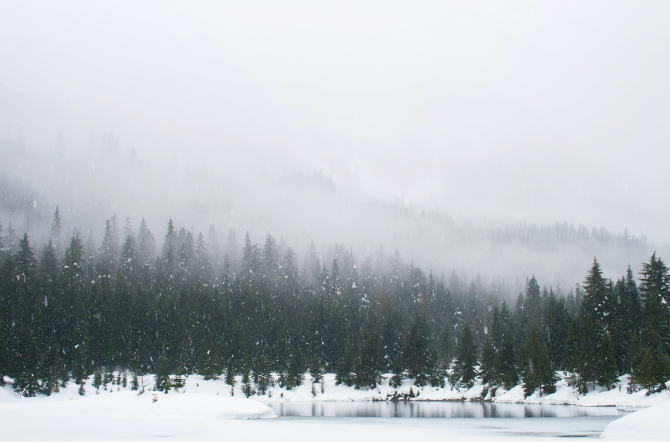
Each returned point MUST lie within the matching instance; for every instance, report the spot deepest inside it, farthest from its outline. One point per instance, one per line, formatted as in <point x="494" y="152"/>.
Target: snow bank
<point x="129" y="403"/>
<point x="649" y="424"/>
<point x="327" y="390"/>
<point x="599" y="397"/>
<point x="221" y="395"/>
<point x="123" y="401"/>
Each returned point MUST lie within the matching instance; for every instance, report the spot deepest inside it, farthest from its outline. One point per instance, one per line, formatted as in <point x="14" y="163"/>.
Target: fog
<point x="424" y="127"/>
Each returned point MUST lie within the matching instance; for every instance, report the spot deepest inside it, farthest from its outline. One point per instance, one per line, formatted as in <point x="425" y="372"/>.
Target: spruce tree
<point x="464" y="371"/>
<point x="587" y="330"/>
<point x="505" y="361"/>
<point x="369" y="364"/>
<point x="56" y="227"/>
<point x="652" y="368"/>
<point x="417" y="352"/>
<point x="230" y="378"/>
<point x="135" y="383"/>
<point x="607" y="369"/>
<point x="247" y="388"/>
<point x="651" y="365"/>
<point x="487" y="369"/>
<point x="537" y="371"/>
<point x="655" y="295"/>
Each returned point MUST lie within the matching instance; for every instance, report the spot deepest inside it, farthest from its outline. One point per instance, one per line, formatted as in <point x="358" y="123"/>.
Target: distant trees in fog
<point x="72" y="309"/>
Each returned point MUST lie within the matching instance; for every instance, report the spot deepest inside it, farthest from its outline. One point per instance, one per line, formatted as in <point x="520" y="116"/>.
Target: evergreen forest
<point x="72" y="308"/>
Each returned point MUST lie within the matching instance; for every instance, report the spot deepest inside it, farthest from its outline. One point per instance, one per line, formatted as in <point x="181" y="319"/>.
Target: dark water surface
<point x="476" y="410"/>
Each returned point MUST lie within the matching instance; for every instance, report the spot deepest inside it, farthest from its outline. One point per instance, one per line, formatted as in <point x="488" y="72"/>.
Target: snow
<point x="122" y="400"/>
<point x="130" y="403"/>
<point x="598" y="397"/>
<point x="648" y="424"/>
<point x="205" y="410"/>
<point x="564" y="395"/>
<point x="327" y="390"/>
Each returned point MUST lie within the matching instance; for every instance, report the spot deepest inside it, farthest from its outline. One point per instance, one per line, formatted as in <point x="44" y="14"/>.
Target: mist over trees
<point x="73" y="307"/>
<point x="299" y="205"/>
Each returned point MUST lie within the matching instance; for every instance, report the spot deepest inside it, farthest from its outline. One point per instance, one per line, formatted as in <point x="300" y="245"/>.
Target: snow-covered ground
<point x="651" y="423"/>
<point x="205" y="410"/>
<point x="327" y="390"/>
<point x="599" y="397"/>
<point x="565" y="395"/>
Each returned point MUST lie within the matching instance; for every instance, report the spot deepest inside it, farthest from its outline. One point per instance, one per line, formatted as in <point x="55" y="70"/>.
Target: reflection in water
<point x="436" y="410"/>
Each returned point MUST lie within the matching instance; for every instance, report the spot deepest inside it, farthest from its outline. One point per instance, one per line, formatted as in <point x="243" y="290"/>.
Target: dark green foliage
<point x="464" y="371"/>
<point x="649" y="360"/>
<point x="651" y="363"/>
<point x="537" y="372"/>
<point x="247" y="388"/>
<point x="344" y="371"/>
<point x="487" y="369"/>
<point x="505" y="362"/>
<point x="556" y="323"/>
<point x="97" y="380"/>
<point x="316" y="370"/>
<point x="68" y="314"/>
<point x="230" y="379"/>
<point x="584" y="348"/>
<point x="607" y="369"/>
<point x="626" y="322"/>
<point x="210" y="365"/>
<point x="419" y="359"/>
<point x="369" y="366"/>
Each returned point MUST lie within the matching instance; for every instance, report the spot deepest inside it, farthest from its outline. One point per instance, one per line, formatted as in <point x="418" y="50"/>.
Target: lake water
<point x="477" y="410"/>
<point x="444" y="420"/>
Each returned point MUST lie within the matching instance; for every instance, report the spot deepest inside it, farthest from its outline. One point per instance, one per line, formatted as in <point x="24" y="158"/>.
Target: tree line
<point x="71" y="310"/>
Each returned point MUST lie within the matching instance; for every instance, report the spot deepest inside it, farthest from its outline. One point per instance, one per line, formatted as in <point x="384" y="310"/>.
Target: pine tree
<point x="607" y="370"/>
<point x="417" y="352"/>
<point x="10" y="242"/>
<point x="108" y="253"/>
<point x="537" y="371"/>
<point x="230" y="378"/>
<point x="344" y="370"/>
<point x="203" y="266"/>
<point x="655" y="294"/>
<point x="247" y="388"/>
<point x="368" y="367"/>
<point x="97" y="380"/>
<point x="487" y="369"/>
<point x="652" y="366"/>
<point x="628" y="318"/>
<point x="56" y="226"/>
<point x="464" y="371"/>
<point x="3" y="252"/>
<point x="214" y="249"/>
<point x="505" y="361"/>
<point x="533" y="302"/>
<point x="587" y="330"/>
<point x="146" y="252"/>
<point x="556" y="324"/>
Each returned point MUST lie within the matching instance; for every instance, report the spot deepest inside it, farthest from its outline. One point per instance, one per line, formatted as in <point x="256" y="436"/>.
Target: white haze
<point x="484" y="112"/>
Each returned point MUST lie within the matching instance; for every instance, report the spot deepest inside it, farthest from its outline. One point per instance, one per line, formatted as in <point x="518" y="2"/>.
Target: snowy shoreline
<point x="327" y="391"/>
<point x="199" y="407"/>
<point x="564" y="395"/>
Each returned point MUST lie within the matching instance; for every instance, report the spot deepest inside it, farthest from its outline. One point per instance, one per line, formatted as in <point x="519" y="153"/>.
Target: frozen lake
<point x="439" y="410"/>
<point x="126" y="416"/>
<point x="436" y="420"/>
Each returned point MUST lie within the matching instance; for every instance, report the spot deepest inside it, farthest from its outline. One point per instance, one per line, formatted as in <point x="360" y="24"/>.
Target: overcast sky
<point x="532" y="111"/>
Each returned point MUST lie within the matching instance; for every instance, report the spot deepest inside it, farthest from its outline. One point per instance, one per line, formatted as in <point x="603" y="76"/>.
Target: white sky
<point x="534" y="111"/>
